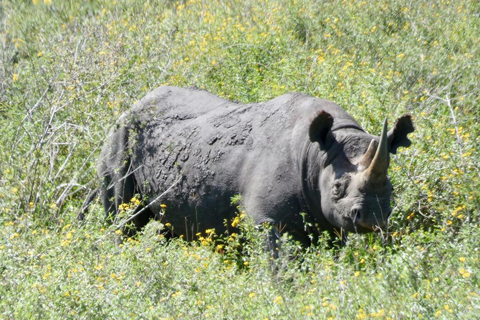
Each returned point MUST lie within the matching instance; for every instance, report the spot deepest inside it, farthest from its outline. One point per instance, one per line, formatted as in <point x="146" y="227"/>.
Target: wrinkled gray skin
<point x="292" y="154"/>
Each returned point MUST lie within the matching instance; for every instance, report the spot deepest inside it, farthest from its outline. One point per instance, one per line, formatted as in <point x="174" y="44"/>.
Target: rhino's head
<point x="355" y="191"/>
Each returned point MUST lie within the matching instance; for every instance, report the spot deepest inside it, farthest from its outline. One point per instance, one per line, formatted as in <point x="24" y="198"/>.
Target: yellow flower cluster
<point x="47" y="2"/>
<point x="236" y="221"/>
<point x="464" y="273"/>
<point x="209" y="239"/>
<point x="134" y="202"/>
<point x="455" y="213"/>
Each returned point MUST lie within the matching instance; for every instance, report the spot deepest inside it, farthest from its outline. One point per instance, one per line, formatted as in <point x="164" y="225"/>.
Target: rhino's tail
<point x="92" y="195"/>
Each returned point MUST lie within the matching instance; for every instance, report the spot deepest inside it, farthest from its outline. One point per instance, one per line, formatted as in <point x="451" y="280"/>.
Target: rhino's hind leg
<point x="126" y="190"/>
<point x="273" y="241"/>
<point x="107" y="195"/>
<point x="119" y="186"/>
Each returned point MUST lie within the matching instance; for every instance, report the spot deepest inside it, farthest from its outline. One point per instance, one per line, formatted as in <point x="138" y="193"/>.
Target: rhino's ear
<point x="320" y="127"/>
<point x="397" y="137"/>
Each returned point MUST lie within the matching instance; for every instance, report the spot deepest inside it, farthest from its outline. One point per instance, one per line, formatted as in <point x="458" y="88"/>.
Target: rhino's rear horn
<point x="379" y="165"/>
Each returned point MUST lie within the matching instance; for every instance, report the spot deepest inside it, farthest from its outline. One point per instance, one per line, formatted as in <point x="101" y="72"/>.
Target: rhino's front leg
<point x="273" y="241"/>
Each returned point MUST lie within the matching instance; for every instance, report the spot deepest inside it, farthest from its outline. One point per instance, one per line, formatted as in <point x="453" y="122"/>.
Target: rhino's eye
<point x="337" y="190"/>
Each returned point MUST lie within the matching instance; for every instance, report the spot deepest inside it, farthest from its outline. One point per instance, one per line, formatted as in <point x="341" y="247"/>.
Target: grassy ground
<point x="69" y="68"/>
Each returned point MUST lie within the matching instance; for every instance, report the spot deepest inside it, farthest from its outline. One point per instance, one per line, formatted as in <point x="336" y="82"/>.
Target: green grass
<point x="68" y="69"/>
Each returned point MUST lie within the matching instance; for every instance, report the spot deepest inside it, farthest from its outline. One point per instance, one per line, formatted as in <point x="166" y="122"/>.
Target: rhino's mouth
<point x="371" y="227"/>
<point x="355" y="222"/>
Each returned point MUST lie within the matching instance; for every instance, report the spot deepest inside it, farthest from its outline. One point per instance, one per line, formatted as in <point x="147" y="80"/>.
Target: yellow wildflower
<point x="464" y="273"/>
<point x="235" y="222"/>
<point x="361" y="314"/>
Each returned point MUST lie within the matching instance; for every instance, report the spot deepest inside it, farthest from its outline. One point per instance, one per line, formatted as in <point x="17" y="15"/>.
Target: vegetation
<point x="68" y="69"/>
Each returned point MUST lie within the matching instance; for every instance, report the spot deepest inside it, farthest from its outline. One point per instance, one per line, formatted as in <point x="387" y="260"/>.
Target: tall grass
<point x="69" y="68"/>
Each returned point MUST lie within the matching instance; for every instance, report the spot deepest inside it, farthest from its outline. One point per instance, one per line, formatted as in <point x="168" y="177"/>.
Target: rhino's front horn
<point x="379" y="165"/>
<point x="367" y="158"/>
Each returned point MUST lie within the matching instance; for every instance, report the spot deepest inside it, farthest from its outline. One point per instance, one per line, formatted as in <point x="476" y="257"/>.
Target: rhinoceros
<point x="293" y="158"/>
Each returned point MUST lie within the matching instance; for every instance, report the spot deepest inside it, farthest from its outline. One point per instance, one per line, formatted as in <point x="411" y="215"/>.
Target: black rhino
<point x="290" y="155"/>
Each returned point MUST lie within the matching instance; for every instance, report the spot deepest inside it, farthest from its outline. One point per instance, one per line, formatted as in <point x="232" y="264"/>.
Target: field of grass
<point x="69" y="68"/>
